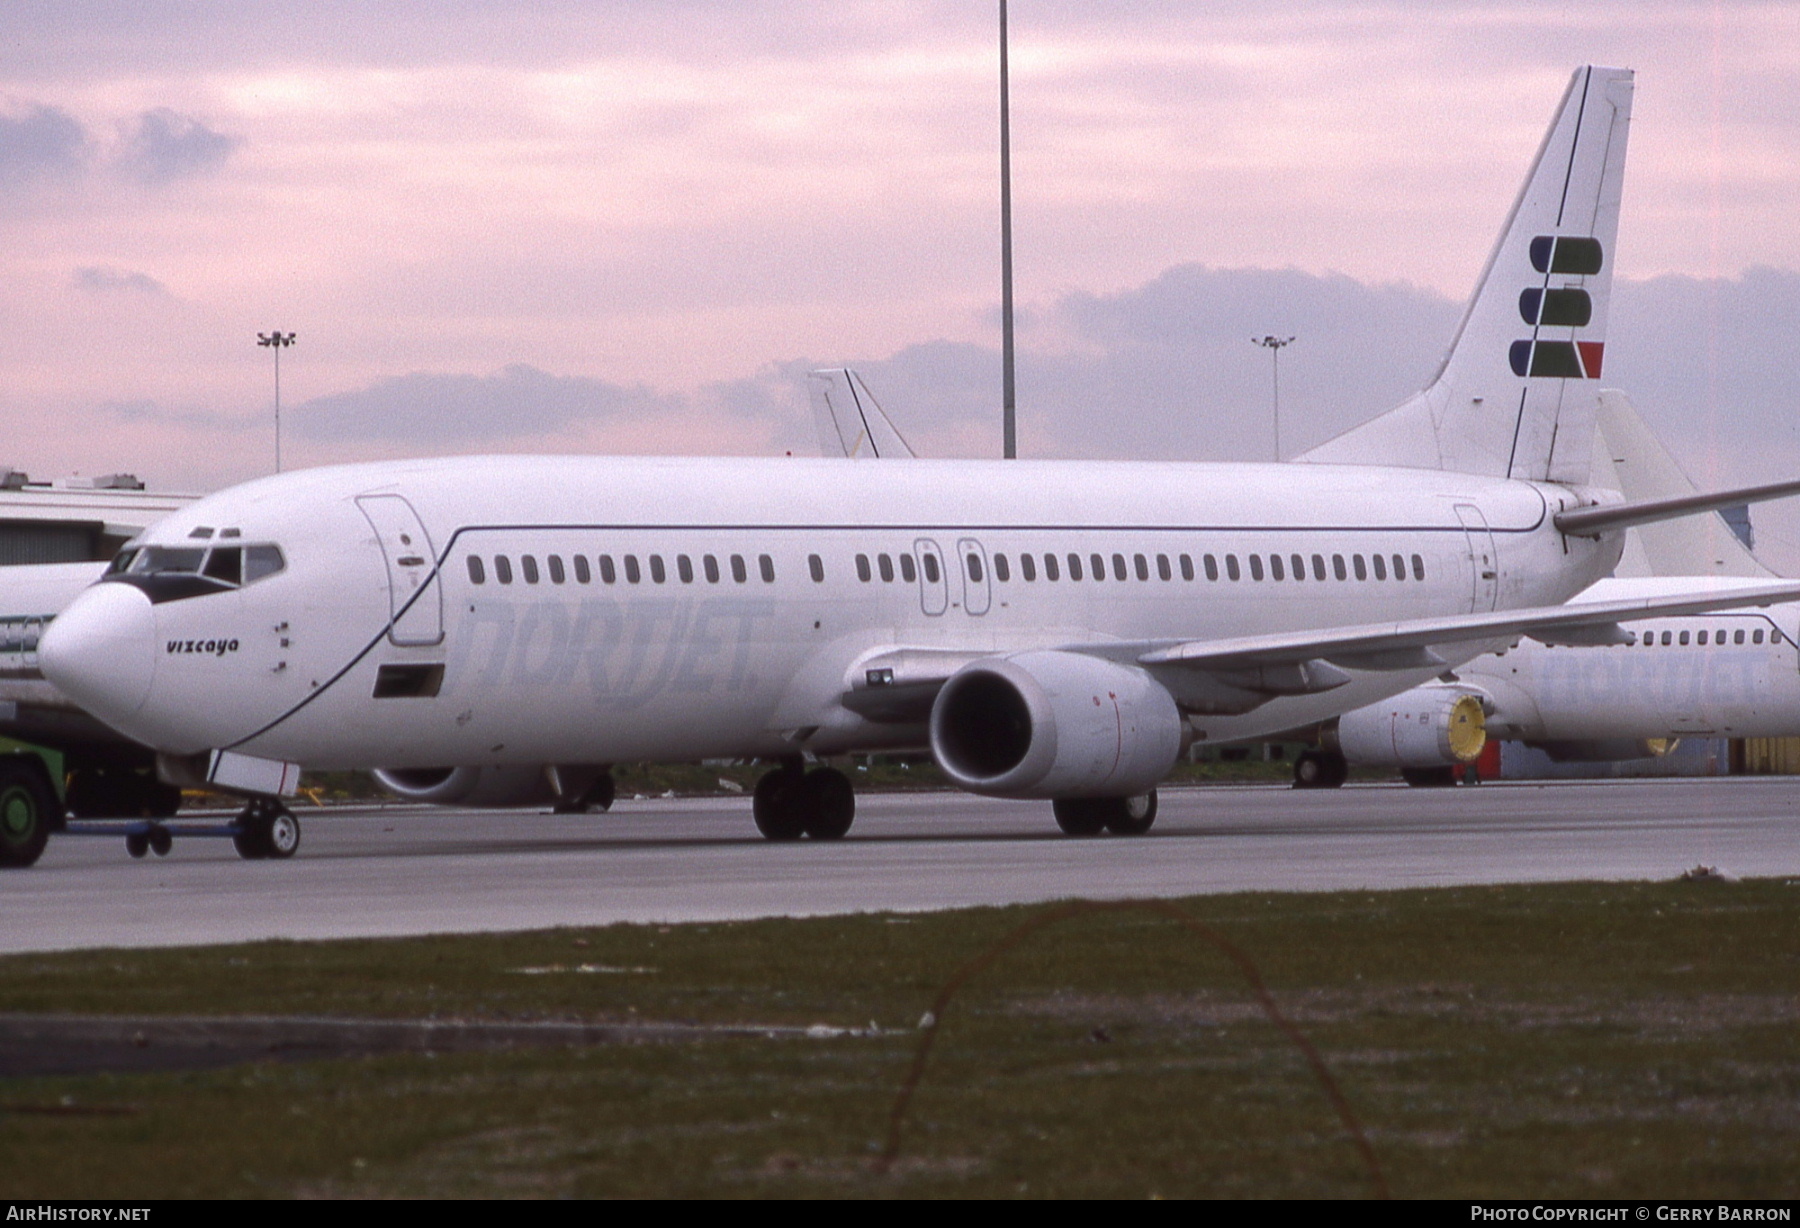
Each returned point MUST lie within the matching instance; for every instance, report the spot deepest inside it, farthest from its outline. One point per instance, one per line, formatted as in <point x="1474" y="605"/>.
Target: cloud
<point x="442" y="411"/>
<point x="207" y="422"/>
<point x="166" y="146"/>
<point x="103" y="279"/>
<point x="41" y="143"/>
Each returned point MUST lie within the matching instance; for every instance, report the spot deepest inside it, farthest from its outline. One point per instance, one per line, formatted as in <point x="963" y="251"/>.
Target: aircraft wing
<point x="1408" y="645"/>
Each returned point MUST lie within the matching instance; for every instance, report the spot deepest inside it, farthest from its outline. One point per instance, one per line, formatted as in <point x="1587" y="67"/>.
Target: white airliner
<point x="1722" y="675"/>
<point x="1059" y="630"/>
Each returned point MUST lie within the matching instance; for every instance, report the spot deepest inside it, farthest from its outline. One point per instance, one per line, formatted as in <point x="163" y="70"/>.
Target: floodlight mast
<point x="1275" y="345"/>
<point x="1009" y="408"/>
<point x="276" y="341"/>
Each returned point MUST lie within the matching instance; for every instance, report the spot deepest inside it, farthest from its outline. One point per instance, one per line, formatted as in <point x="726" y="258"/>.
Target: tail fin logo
<point x="1542" y="307"/>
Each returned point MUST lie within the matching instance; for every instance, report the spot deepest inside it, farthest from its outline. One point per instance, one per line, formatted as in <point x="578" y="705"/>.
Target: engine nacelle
<point x="1054" y="724"/>
<point x="1428" y="726"/>
<point x="470" y="786"/>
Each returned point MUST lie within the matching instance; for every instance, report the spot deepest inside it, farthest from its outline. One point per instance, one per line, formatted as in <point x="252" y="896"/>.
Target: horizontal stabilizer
<point x="1593" y="521"/>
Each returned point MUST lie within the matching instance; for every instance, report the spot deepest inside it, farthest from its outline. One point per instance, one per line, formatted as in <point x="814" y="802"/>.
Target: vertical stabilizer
<point x="849" y="421"/>
<point x="1516" y="395"/>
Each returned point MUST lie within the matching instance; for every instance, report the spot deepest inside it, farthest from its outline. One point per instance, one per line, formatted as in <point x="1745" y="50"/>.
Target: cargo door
<point x="1484" y="562"/>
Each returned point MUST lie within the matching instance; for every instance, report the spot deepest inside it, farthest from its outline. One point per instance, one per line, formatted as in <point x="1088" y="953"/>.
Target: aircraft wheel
<point x="775" y="804"/>
<point x="1429" y="778"/>
<point x="1079" y="816"/>
<point x="1320" y="769"/>
<point x="827" y="803"/>
<point x="160" y="840"/>
<point x="266" y="829"/>
<point x="137" y="844"/>
<point x="1130" y="816"/>
<point x="28" y="810"/>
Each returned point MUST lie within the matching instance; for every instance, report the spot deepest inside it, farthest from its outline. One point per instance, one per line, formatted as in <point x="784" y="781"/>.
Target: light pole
<point x="1275" y="345"/>
<point x="276" y="341"/>
<point x="1009" y="442"/>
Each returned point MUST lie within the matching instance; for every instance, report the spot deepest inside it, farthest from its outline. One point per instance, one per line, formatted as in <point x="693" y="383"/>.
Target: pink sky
<point x="673" y="195"/>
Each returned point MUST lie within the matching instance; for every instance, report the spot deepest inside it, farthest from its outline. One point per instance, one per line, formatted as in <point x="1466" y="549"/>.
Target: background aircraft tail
<point x="1516" y="395"/>
<point x="850" y="423"/>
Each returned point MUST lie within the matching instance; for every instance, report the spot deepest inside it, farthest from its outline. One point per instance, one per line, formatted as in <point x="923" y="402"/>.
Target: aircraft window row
<point x="1719" y="637"/>
<point x="628" y="566"/>
<point x="228" y="565"/>
<point x="1116" y="566"/>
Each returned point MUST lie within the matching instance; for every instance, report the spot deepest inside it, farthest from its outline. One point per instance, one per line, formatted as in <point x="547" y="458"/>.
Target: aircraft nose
<point x="101" y="650"/>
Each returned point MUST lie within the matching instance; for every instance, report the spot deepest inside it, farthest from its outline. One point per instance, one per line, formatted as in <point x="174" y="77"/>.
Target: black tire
<point x="775" y="805"/>
<point x="1130" y="816"/>
<point x="1430" y="778"/>
<point x="28" y="810"/>
<point x="1079" y="816"/>
<point x="160" y="840"/>
<point x="266" y="829"/>
<point x="137" y="844"/>
<point x="1320" y="769"/>
<point x="827" y="804"/>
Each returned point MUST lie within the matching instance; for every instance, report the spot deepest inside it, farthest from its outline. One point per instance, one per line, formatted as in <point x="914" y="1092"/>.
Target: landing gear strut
<point x="1320" y="769"/>
<point x="266" y="829"/>
<point x="791" y="802"/>
<point x="1089" y="816"/>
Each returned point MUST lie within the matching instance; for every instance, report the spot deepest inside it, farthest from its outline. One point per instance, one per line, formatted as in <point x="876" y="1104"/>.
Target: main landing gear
<point x="1089" y="816"/>
<point x="791" y="802"/>
<point x="1320" y="769"/>
<point x="265" y="829"/>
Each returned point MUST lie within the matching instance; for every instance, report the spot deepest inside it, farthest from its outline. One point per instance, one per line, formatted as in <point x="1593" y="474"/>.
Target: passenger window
<point x="1701" y="638"/>
<point x="1001" y="572"/>
<point x="556" y="569"/>
<point x="632" y="574"/>
<point x="1756" y="636"/>
<point x="1399" y="568"/>
<point x="1684" y="637"/>
<point x="583" y="574"/>
<point x="862" y="568"/>
<point x="973" y="563"/>
<point x="1028" y="568"/>
<point x="1050" y="567"/>
<point x="1299" y="565"/>
<point x="1119" y="572"/>
<point x="1187" y="567"/>
<point x="1162" y="568"/>
<point x="528" y="565"/>
<point x="1143" y="566"/>
<point x="1318" y="561"/>
<point x="1666" y="640"/>
<point x="658" y="572"/>
<point x="1380" y="567"/>
<point x="1362" y="572"/>
<point x="1074" y="566"/>
<point x="1719" y="636"/>
<point x="1212" y="568"/>
<point x="684" y="567"/>
<point x="1737" y="637"/>
<point x="1337" y="567"/>
<point x="885" y="565"/>
<point x="1275" y="572"/>
<point x="1097" y="566"/>
<point x="502" y="569"/>
<point x="1418" y="567"/>
<point x="908" y="571"/>
<point x="738" y="571"/>
<point x="711" y="564"/>
<point x="477" y="573"/>
<point x="816" y="566"/>
<point x="1256" y="567"/>
<point x="607" y="573"/>
<point x="766" y="565"/>
<point x="931" y="568"/>
<point x="227" y="564"/>
<point x="1231" y="566"/>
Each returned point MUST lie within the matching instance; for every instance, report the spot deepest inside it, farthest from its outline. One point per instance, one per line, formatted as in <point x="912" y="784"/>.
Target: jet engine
<point x="1054" y="724"/>
<point x="1428" y="726"/>
<point x="470" y="786"/>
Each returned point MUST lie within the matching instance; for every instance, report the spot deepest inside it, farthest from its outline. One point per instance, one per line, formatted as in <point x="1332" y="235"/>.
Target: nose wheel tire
<point x="266" y="830"/>
<point x="28" y="810"/>
<point x="1089" y="816"/>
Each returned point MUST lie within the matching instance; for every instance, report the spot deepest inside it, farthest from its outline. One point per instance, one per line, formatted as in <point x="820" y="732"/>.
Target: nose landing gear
<point x="266" y="829"/>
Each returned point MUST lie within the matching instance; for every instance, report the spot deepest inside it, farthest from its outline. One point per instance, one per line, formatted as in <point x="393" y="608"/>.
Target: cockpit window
<point x="260" y="561"/>
<point x="170" y="573"/>
<point x="154" y="560"/>
<point x="226" y="565"/>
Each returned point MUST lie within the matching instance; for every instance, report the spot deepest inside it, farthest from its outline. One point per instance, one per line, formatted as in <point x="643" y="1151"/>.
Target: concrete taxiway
<point x="370" y="871"/>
